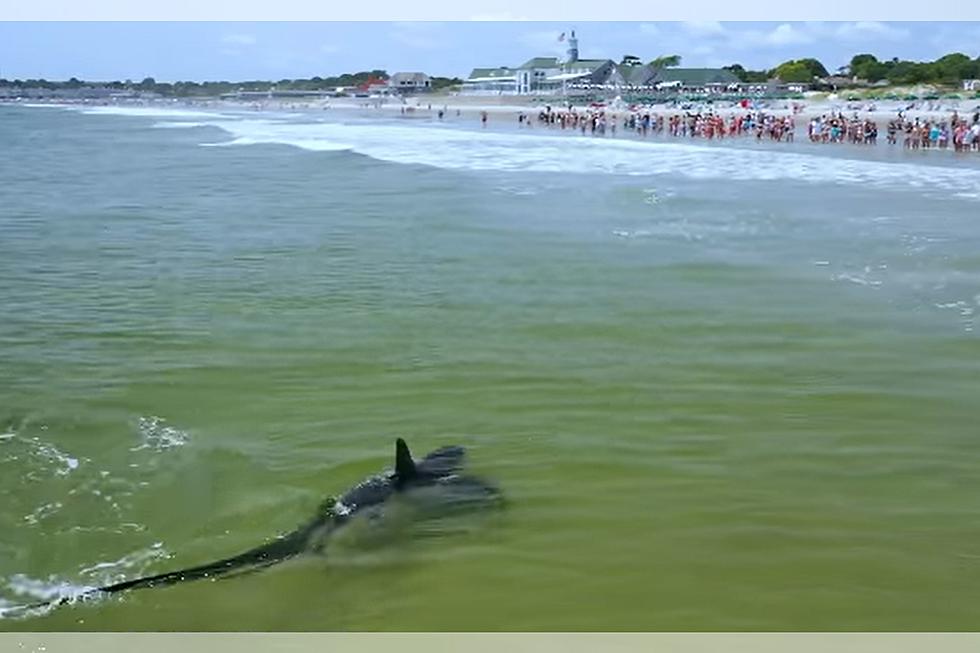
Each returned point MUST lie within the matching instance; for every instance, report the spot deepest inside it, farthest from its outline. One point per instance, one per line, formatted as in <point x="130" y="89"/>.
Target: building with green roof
<point x="550" y="75"/>
<point x="502" y="80"/>
<point x="540" y="62"/>
<point x="544" y="75"/>
<point x="693" y="78"/>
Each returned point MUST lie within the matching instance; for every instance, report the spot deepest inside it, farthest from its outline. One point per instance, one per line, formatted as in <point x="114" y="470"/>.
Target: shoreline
<point x="503" y="115"/>
<point x="513" y="105"/>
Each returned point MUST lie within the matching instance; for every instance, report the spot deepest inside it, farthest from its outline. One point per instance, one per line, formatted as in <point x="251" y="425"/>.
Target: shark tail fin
<point x="404" y="465"/>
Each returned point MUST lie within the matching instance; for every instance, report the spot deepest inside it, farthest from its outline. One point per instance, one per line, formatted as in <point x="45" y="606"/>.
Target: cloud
<point x="786" y="34"/>
<point x="239" y="39"/>
<point x="870" y="29"/>
<point x="704" y="27"/>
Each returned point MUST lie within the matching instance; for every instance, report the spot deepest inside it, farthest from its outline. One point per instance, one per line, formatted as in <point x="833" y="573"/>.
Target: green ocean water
<point x="718" y="396"/>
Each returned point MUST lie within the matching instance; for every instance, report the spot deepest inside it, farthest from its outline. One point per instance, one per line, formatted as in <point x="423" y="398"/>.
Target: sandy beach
<point x="508" y="107"/>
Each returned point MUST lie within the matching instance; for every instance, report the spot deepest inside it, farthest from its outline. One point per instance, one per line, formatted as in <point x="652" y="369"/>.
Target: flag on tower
<point x="562" y="37"/>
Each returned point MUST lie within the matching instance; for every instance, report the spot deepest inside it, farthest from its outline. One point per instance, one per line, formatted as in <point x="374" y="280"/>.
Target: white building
<point x="540" y="75"/>
<point x="491" y="81"/>
<point x="533" y="76"/>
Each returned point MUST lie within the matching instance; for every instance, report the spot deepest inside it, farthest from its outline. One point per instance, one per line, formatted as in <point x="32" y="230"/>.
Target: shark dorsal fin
<point x="404" y="465"/>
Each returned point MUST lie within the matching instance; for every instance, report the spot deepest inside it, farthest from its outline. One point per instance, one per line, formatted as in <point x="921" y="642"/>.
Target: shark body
<point x="435" y="476"/>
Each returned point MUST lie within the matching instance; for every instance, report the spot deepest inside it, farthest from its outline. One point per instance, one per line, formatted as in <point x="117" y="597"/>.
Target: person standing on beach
<point x="483" y="118"/>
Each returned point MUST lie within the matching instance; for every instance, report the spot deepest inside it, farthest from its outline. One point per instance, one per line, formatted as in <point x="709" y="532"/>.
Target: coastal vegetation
<point x="215" y="88"/>
<point x="950" y="69"/>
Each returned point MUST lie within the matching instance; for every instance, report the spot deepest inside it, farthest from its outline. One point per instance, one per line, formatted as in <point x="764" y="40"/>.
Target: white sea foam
<point x="469" y="150"/>
<point x="45" y="105"/>
<point x="157" y="435"/>
<point x="152" y="112"/>
<point x="104" y="572"/>
<point x="35" y="590"/>
<point x="42" y="512"/>
<point x="965" y="310"/>
<point x="859" y="280"/>
<point x="52" y="588"/>
<point x="179" y="125"/>
<point x="459" y="149"/>
<point x="65" y="463"/>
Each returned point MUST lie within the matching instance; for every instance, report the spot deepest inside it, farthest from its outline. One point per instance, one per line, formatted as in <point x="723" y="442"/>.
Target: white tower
<point x="572" y="48"/>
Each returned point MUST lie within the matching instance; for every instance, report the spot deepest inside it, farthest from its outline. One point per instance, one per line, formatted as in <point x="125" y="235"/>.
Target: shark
<point x="436" y="484"/>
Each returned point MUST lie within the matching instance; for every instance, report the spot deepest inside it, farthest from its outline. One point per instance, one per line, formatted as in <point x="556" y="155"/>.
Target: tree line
<point x="950" y="69"/>
<point x="213" y="88"/>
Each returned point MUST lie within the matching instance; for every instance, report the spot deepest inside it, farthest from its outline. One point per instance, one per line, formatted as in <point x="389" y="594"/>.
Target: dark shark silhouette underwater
<point x="436" y="478"/>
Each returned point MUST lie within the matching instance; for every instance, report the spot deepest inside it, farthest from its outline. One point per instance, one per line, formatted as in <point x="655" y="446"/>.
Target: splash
<point x="57" y="590"/>
<point x="136" y="560"/>
<point x="157" y="435"/>
<point x="38" y="591"/>
<point x="46" y="453"/>
<point x="66" y="464"/>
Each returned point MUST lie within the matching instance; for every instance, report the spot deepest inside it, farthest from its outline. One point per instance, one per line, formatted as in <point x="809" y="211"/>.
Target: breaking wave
<point x="467" y="150"/>
<point x="149" y="112"/>
<point x="179" y="125"/>
<point x="461" y="149"/>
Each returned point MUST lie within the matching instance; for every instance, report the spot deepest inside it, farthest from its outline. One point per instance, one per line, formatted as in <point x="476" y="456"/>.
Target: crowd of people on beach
<point x="918" y="133"/>
<point x="963" y="134"/>
<point x="959" y="133"/>
<point x="708" y="125"/>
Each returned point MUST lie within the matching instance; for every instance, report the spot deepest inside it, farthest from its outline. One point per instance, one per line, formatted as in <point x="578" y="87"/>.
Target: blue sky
<point x="238" y="51"/>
